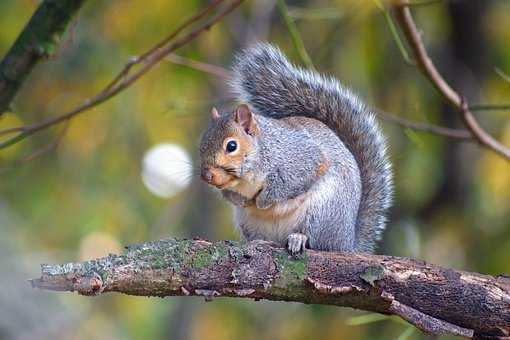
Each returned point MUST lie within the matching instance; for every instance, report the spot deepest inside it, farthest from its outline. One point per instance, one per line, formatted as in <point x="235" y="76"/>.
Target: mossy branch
<point x="38" y="40"/>
<point x="435" y="299"/>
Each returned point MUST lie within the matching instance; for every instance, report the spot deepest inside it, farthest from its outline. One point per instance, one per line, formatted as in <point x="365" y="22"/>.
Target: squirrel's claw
<point x="296" y="243"/>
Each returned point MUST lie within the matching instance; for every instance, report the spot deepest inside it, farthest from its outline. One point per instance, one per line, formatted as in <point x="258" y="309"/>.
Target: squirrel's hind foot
<point x="296" y="243"/>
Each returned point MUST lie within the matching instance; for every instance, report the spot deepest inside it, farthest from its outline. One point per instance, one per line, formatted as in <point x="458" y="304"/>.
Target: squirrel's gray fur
<point x="273" y="87"/>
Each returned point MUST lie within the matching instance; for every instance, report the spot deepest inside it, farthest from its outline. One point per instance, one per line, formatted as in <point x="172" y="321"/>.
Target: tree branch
<point x="405" y="19"/>
<point x="434" y="299"/>
<point x="37" y="41"/>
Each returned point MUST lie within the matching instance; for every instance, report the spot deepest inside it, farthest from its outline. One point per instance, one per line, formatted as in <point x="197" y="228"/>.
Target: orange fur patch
<point x="322" y="168"/>
<point x="235" y="159"/>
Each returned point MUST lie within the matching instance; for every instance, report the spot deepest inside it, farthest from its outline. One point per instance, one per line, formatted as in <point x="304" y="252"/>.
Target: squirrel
<point x="302" y="159"/>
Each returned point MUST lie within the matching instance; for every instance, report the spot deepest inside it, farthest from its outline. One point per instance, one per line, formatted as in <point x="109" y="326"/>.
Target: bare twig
<point x="214" y="70"/>
<point x="405" y="19"/>
<point x="125" y="79"/>
<point x="426" y="127"/>
<point x="436" y="300"/>
<point x="142" y="58"/>
<point x="403" y="15"/>
<point x="12" y="130"/>
<point x="489" y="107"/>
<point x="479" y="133"/>
<point x="43" y="150"/>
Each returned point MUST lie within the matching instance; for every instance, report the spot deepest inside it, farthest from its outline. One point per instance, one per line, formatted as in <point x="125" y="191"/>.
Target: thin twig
<point x="45" y="149"/>
<point x="403" y="15"/>
<point x="479" y="133"/>
<point x="142" y="58"/>
<point x="426" y="127"/>
<point x="294" y="34"/>
<point x="49" y="147"/>
<point x="405" y="19"/>
<point x="489" y="107"/>
<point x="13" y="130"/>
<point x="214" y="70"/>
<point x="127" y="80"/>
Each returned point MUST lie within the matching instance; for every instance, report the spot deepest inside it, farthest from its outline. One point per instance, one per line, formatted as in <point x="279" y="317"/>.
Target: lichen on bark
<point x="435" y="299"/>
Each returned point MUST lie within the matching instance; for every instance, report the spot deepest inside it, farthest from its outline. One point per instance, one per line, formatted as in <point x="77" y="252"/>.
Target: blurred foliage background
<point x="99" y="189"/>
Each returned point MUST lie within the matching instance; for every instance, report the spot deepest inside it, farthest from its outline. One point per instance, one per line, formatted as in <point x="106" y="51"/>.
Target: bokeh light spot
<point x="166" y="170"/>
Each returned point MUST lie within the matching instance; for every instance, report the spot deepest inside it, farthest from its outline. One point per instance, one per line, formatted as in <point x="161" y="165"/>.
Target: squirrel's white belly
<point x="273" y="224"/>
<point x="277" y="222"/>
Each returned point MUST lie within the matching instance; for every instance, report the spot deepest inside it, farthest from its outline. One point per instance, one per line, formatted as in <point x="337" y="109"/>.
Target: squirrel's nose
<point x="207" y="175"/>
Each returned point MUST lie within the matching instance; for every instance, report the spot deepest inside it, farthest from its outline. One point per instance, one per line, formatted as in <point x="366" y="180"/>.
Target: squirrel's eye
<point x="231" y="146"/>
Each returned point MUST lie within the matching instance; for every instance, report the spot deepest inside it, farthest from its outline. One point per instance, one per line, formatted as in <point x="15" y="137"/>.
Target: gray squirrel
<point x="302" y="159"/>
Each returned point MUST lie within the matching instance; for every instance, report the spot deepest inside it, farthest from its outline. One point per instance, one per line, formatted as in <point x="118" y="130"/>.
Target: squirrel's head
<point x="228" y="149"/>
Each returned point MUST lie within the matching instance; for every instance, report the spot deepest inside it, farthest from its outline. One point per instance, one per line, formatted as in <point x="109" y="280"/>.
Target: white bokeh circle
<point x="166" y="169"/>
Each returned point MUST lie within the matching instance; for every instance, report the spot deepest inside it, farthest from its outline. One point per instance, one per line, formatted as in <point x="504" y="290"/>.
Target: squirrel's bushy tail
<point x="265" y="79"/>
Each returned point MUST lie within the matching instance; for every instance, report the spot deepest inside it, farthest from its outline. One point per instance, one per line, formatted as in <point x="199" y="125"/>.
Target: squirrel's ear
<point x="244" y="117"/>
<point x="214" y="114"/>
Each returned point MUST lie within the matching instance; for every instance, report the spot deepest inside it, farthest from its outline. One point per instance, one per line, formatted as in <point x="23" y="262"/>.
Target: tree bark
<point x="436" y="300"/>
<point x="37" y="41"/>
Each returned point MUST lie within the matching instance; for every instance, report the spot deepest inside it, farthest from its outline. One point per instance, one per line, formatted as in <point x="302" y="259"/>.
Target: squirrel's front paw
<point x="296" y="243"/>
